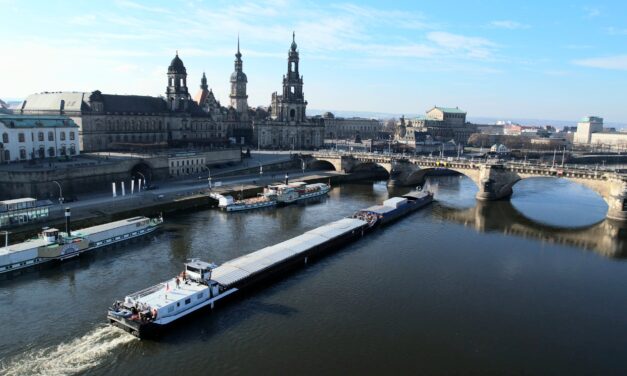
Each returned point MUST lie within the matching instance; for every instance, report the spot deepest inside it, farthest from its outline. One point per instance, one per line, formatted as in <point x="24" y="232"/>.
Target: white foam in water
<point x="69" y="358"/>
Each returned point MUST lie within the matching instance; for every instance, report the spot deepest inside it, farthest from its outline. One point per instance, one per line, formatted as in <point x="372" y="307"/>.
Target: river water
<point x="535" y="285"/>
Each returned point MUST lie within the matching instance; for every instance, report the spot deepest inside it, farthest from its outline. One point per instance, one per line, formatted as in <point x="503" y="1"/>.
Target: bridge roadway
<point x="495" y="179"/>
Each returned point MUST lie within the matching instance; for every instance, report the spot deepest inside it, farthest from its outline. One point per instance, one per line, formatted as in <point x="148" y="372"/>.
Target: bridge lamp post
<point x="60" y="191"/>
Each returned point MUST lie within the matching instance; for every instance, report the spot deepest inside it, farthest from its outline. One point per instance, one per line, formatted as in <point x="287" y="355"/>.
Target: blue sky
<point x="524" y="59"/>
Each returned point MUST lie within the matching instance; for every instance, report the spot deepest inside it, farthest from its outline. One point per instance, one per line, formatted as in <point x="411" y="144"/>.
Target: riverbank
<point x="154" y="204"/>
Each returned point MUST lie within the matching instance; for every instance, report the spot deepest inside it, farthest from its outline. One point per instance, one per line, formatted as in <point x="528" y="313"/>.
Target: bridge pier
<point x="617" y="200"/>
<point x="495" y="183"/>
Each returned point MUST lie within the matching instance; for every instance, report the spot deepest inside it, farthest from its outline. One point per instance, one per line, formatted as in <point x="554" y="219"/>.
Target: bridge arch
<point x="372" y="167"/>
<point x="417" y="177"/>
<point x="141" y="170"/>
<point x="321" y="164"/>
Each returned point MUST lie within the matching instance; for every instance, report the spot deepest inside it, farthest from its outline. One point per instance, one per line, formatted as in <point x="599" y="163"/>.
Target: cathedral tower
<point x="239" y="99"/>
<point x="176" y="93"/>
<point x="291" y="105"/>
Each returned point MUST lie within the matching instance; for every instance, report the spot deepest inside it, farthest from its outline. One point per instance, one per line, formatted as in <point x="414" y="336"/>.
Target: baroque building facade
<point x="128" y="122"/>
<point x="441" y="123"/>
<point x="288" y="127"/>
<point x="350" y="128"/>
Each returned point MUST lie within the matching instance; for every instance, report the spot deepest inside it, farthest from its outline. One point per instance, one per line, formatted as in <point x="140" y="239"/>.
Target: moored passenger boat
<point x="275" y="194"/>
<point x="296" y="191"/>
<point x="228" y="204"/>
<point x="54" y="245"/>
<point x="50" y="245"/>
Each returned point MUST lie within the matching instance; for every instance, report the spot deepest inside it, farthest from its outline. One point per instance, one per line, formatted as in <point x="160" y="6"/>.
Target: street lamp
<point x="60" y="191"/>
<point x="260" y="170"/>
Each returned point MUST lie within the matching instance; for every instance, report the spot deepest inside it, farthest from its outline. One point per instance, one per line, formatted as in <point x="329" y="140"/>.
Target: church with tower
<point x="288" y="127"/>
<point x="132" y="122"/>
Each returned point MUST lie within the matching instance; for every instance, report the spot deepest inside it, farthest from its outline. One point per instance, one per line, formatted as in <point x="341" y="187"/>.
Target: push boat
<point x="54" y="245"/>
<point x="148" y="312"/>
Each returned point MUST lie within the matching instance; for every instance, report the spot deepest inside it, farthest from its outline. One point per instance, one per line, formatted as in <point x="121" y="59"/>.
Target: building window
<point x="42" y="152"/>
<point x="62" y="136"/>
<point x="50" y="136"/>
<point x="20" y="137"/>
<point x="73" y="149"/>
<point x="40" y="136"/>
<point x="62" y="151"/>
<point x="51" y="151"/>
<point x="7" y="155"/>
<point x="22" y="153"/>
<point x="5" y="138"/>
<point x="72" y="136"/>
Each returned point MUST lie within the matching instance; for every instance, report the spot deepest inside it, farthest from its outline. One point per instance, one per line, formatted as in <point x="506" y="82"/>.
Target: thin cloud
<point x="616" y="31"/>
<point x="137" y="6"/>
<point x="618" y="62"/>
<point x="591" y="11"/>
<point x="83" y="20"/>
<point x="509" y="24"/>
<point x="471" y="47"/>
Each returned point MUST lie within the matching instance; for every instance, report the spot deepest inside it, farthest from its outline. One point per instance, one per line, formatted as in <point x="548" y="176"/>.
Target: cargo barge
<point x="202" y="285"/>
<point x="54" y="245"/>
<point x="395" y="208"/>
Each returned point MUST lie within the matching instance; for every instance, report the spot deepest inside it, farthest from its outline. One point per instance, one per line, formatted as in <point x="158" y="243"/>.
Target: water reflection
<point x="608" y="238"/>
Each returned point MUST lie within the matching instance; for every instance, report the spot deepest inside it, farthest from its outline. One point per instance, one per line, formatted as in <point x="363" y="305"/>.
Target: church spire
<point x="203" y="82"/>
<point x="294" y="46"/>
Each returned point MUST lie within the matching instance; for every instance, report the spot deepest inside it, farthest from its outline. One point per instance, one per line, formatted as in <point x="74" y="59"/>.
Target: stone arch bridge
<point x="495" y="181"/>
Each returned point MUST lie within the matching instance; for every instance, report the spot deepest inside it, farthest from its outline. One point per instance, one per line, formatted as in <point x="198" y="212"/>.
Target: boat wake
<point x="73" y="357"/>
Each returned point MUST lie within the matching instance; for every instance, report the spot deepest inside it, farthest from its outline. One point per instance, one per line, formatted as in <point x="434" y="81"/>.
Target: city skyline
<point x="510" y="61"/>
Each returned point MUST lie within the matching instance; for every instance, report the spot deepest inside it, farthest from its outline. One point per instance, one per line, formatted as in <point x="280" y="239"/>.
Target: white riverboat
<point x="53" y="244"/>
<point x="296" y="191"/>
<point x="276" y="194"/>
<point x="229" y="204"/>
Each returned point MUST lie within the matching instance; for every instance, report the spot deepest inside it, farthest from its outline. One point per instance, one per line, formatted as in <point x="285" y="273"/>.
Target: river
<point x="535" y="285"/>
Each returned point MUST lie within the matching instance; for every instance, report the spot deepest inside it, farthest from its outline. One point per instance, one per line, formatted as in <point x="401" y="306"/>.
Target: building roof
<point x="238" y="76"/>
<point x="133" y="103"/>
<point x="177" y="66"/>
<point x="35" y="121"/>
<point x="448" y="110"/>
<point x="586" y="119"/>
<point x="46" y="101"/>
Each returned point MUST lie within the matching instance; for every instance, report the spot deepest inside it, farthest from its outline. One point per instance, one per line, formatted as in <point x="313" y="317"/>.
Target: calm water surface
<point x="535" y="285"/>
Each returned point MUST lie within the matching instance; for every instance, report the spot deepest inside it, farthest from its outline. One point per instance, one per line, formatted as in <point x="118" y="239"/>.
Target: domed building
<point x="132" y="122"/>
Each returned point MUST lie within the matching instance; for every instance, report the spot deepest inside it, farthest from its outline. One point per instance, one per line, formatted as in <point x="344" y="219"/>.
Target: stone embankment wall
<point x="93" y="175"/>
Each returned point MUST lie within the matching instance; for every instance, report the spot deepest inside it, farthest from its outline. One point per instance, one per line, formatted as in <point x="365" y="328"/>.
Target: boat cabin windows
<point x="188" y="300"/>
<point x="199" y="271"/>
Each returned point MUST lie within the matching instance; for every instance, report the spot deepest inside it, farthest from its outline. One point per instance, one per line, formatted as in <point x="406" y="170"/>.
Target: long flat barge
<point x="201" y="284"/>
